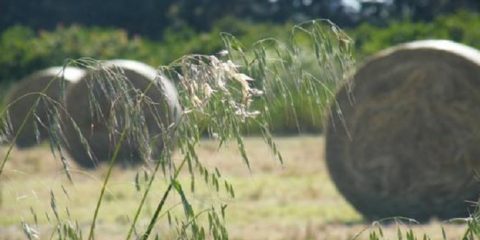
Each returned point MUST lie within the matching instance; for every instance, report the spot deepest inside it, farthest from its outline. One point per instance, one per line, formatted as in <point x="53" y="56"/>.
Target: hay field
<point x="296" y="200"/>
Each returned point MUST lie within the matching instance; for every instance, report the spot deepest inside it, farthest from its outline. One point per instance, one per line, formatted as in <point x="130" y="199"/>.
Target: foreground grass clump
<point x="217" y="91"/>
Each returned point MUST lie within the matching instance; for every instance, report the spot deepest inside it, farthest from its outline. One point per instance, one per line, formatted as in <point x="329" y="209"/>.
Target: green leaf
<point x="186" y="205"/>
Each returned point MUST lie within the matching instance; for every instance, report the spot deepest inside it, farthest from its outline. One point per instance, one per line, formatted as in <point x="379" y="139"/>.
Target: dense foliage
<point x="25" y="50"/>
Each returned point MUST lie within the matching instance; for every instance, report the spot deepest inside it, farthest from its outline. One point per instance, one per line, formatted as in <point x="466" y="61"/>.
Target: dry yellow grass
<point x="296" y="200"/>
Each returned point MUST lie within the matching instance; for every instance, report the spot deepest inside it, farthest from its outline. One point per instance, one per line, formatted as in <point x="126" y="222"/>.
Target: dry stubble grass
<point x="296" y="200"/>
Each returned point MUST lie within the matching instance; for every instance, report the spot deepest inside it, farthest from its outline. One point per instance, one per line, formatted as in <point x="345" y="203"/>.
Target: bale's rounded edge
<point x="402" y="136"/>
<point x="25" y="93"/>
<point x="163" y="109"/>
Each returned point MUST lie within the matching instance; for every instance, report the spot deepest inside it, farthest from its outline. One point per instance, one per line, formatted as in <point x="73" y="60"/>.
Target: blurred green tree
<point x="152" y="17"/>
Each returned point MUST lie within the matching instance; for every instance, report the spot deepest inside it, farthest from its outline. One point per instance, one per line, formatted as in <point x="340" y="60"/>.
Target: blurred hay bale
<point x="118" y="95"/>
<point x="26" y="93"/>
<point x="407" y="139"/>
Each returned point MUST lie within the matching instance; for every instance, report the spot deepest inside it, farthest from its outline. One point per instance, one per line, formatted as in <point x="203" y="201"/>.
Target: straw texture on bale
<point x="26" y="93"/>
<point x="103" y="104"/>
<point x="403" y="138"/>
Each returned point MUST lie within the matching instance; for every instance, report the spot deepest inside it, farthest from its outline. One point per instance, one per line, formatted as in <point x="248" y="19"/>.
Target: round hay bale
<point x="404" y="136"/>
<point x="104" y="103"/>
<point x="36" y="127"/>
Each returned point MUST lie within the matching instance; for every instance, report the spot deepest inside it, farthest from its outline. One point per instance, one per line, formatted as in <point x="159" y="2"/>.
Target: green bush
<point x="463" y="27"/>
<point x="24" y="51"/>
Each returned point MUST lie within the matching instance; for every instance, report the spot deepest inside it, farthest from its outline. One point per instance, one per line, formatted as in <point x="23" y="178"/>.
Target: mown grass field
<point x="293" y="200"/>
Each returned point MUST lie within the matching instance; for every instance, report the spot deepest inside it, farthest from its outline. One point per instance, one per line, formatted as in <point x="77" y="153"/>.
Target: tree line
<point x="152" y="17"/>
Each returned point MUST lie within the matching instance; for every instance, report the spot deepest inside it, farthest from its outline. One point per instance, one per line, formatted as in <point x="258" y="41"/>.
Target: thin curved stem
<point x="162" y="202"/>
<point x="104" y="186"/>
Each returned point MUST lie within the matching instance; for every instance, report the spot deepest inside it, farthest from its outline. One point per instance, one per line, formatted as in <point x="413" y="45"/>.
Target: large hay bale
<point x="27" y="92"/>
<point x="104" y="102"/>
<point x="407" y="139"/>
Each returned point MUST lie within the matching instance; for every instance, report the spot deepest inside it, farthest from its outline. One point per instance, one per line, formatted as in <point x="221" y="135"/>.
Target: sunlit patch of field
<point x="293" y="200"/>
